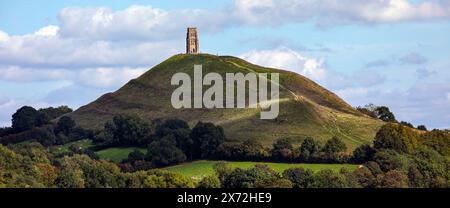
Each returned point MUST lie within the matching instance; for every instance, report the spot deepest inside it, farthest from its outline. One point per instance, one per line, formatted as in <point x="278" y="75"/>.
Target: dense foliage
<point x="400" y="156"/>
<point x="381" y="112"/>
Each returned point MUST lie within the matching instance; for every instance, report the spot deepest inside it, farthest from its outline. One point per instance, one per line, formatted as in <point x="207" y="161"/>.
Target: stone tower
<point x="192" y="41"/>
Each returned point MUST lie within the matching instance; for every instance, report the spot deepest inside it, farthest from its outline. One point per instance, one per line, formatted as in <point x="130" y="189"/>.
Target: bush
<point x="79" y="133"/>
<point x="258" y="177"/>
<point x="24" y="119"/>
<point x="283" y="150"/>
<point x="42" y="134"/>
<point x="65" y="125"/>
<point x="385" y="114"/>
<point x="164" y="152"/>
<point x="5" y="131"/>
<point x="363" y="154"/>
<point x="396" y="137"/>
<point x="136" y="155"/>
<point x="165" y="179"/>
<point x="328" y="179"/>
<point x="431" y="165"/>
<point x="438" y="140"/>
<point x="365" y="177"/>
<point x="273" y="183"/>
<point x="180" y="130"/>
<point x="373" y="167"/>
<point x="407" y="124"/>
<point x="334" y="151"/>
<point x="416" y="178"/>
<point x="230" y="151"/>
<point x="368" y="110"/>
<point x="53" y="113"/>
<point x="127" y="130"/>
<point x="81" y="171"/>
<point x="392" y="179"/>
<point x="391" y="160"/>
<point x="211" y="181"/>
<point x="206" y="139"/>
<point x="247" y="150"/>
<point x="253" y="150"/>
<point x="422" y="127"/>
<point x="222" y="170"/>
<point x="309" y="149"/>
<point x="300" y="177"/>
<point x="334" y="145"/>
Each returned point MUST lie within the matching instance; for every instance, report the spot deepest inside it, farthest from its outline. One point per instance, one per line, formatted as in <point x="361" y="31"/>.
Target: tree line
<point x="385" y="114"/>
<point x="399" y="156"/>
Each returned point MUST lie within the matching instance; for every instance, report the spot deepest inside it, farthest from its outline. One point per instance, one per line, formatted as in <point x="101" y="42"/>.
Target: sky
<point x="386" y="52"/>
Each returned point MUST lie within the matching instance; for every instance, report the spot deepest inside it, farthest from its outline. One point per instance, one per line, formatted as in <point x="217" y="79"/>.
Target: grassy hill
<point x="306" y="108"/>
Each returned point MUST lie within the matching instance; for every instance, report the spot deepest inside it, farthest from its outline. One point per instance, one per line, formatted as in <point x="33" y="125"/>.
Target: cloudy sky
<point x="386" y="52"/>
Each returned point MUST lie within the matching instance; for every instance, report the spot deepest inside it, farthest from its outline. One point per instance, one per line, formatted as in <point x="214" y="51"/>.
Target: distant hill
<point x="306" y="108"/>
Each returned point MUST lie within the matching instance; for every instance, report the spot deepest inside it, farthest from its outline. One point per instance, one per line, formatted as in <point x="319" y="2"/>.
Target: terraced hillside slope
<point x="306" y="108"/>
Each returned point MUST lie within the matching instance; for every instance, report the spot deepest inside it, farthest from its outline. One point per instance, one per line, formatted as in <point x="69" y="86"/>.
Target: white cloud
<point x="50" y="30"/>
<point x="46" y="51"/>
<point x="6" y="110"/>
<point x="17" y="74"/>
<point x="287" y="59"/>
<point x="333" y="12"/>
<point x="349" y="93"/>
<point x="137" y="22"/>
<point x="142" y="35"/>
<point x="108" y="77"/>
<point x="423" y="103"/>
<point x="3" y="36"/>
<point x="101" y="77"/>
<point x="254" y="11"/>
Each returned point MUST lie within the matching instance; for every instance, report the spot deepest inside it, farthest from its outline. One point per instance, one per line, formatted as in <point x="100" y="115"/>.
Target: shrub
<point x="258" y="177"/>
<point x="309" y="149"/>
<point x="392" y="179"/>
<point x="206" y="139"/>
<point x="300" y="177"/>
<point x="363" y="154"/>
<point x="328" y="179"/>
<point x="396" y="137"/>
<point x="391" y="160"/>
<point x="211" y="181"/>
<point x="164" y="152"/>
<point x="283" y="150"/>
<point x="334" y="145"/>
<point x="127" y="130"/>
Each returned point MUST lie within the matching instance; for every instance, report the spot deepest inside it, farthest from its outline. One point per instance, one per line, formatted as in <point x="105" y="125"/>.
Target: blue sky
<point x="386" y="52"/>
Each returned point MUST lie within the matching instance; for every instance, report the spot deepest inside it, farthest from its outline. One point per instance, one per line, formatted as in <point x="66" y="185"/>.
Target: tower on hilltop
<point x="192" y="41"/>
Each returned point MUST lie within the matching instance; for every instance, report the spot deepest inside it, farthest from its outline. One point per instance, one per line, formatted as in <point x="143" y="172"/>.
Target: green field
<point x="82" y="144"/>
<point x="202" y="168"/>
<point x="117" y="154"/>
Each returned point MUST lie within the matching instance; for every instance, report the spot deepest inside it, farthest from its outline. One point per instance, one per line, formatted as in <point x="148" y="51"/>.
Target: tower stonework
<point x="192" y="41"/>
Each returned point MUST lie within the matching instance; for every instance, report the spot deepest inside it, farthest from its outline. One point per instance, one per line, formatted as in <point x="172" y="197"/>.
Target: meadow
<point x="80" y="144"/>
<point x="117" y="154"/>
<point x="201" y="168"/>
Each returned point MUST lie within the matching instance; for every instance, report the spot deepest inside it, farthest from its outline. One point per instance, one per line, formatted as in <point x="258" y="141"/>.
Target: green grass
<point x="117" y="154"/>
<point x="203" y="168"/>
<point x="83" y="144"/>
<point x="306" y="109"/>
